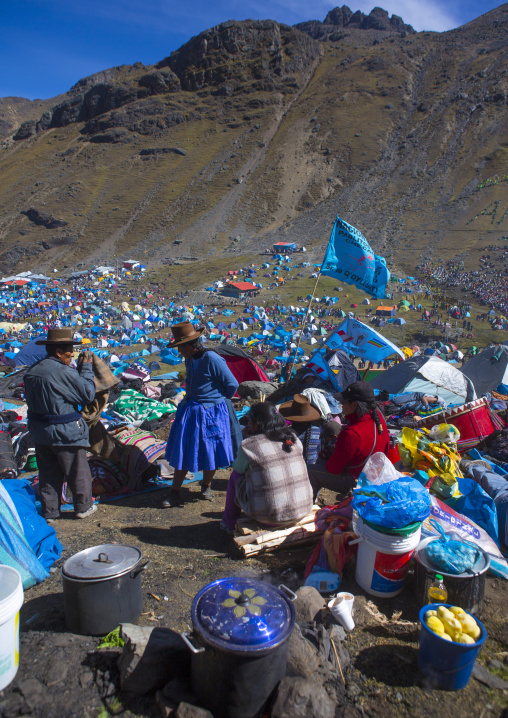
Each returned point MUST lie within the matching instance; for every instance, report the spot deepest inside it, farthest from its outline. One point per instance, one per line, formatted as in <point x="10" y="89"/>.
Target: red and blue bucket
<point x="444" y="664"/>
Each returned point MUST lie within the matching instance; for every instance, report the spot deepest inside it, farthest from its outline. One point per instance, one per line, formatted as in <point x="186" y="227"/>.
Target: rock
<point x="186" y="710"/>
<point x="484" y="676"/>
<point x="353" y="690"/>
<point x="337" y="633"/>
<point x="301" y="698"/>
<point x="163" y="151"/>
<point x="166" y="706"/>
<point x="150" y="658"/>
<point x="309" y="602"/>
<point x="56" y="669"/>
<point x="114" y="135"/>
<point x="254" y="389"/>
<point x="302" y="656"/>
<point x="32" y="691"/>
<point x="179" y="690"/>
<point x="86" y="679"/>
<point x="26" y="129"/>
<point x="494" y="663"/>
<point x="44" y="219"/>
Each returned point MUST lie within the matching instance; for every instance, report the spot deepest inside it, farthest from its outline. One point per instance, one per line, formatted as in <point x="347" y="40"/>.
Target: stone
<point x="301" y="698"/>
<point x="484" y="676"/>
<point x="337" y="633"/>
<point x="56" y="670"/>
<point x="150" y="658"/>
<point x="302" y="656"/>
<point x="86" y="679"/>
<point x="494" y="663"/>
<point x="254" y="389"/>
<point x="186" y="710"/>
<point x="32" y="691"/>
<point x="179" y="690"/>
<point x="308" y="604"/>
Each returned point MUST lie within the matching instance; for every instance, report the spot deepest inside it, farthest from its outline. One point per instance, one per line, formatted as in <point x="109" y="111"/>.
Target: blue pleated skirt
<point x="200" y="437"/>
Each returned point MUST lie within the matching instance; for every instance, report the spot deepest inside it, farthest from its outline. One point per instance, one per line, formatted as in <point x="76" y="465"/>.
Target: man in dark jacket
<point x="54" y="393"/>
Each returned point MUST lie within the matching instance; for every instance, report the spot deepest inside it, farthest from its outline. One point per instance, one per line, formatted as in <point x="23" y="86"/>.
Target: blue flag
<point x="349" y="258"/>
<point x="358" y="339"/>
<point x="318" y="364"/>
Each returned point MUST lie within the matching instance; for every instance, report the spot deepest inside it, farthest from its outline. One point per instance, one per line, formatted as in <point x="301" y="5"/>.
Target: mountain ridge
<point x="255" y="130"/>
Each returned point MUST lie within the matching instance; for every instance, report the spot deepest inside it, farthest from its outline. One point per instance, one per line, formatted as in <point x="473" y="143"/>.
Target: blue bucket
<point x="445" y="664"/>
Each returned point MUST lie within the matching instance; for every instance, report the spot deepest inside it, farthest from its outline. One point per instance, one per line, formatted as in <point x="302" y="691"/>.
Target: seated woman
<point x="306" y="421"/>
<point x="364" y="434"/>
<point x="270" y="482"/>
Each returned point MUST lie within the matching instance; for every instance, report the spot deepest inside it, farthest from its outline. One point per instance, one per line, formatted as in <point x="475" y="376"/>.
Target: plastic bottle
<point x="437" y="591"/>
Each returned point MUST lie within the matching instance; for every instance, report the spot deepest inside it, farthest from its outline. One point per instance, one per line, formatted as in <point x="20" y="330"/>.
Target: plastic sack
<point x="394" y="504"/>
<point x="467" y="530"/>
<point x="39" y="534"/>
<point x="378" y="470"/>
<point x="445" y="433"/>
<point x="450" y="555"/>
<point x="14" y="548"/>
<point x="477" y="505"/>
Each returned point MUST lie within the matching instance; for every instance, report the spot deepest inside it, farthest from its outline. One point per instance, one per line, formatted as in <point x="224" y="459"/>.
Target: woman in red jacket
<point x="365" y="434"/>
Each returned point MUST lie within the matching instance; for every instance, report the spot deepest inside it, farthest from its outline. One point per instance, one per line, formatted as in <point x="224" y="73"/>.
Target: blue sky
<point x="47" y="45"/>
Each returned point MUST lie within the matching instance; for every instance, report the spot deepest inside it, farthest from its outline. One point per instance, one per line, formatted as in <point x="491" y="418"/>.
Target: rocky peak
<point x="343" y="17"/>
<point x="241" y="51"/>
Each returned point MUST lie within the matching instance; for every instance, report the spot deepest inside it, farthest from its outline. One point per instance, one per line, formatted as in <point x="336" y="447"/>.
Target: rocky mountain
<point x="254" y="132"/>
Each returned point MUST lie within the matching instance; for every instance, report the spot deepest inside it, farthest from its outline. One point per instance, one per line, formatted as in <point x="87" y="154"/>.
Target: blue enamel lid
<point x="242" y="615"/>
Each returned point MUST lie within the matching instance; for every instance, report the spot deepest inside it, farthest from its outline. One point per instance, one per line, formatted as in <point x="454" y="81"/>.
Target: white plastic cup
<point x="11" y="600"/>
<point x="349" y="599"/>
<point x="341" y="609"/>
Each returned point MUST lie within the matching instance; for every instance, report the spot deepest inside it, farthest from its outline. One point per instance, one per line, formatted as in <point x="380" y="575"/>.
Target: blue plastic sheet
<point x="477" y="505"/>
<point x="15" y="550"/>
<point x="393" y="505"/>
<point x="39" y="534"/>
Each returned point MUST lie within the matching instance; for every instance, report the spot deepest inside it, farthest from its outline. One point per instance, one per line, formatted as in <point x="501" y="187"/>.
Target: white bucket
<point x="11" y="600"/>
<point x="383" y="560"/>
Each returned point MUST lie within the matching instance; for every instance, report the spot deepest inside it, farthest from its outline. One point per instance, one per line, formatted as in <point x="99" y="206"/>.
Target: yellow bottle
<point x="437" y="591"/>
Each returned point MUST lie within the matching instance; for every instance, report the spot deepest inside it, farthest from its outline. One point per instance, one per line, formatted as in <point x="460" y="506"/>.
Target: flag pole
<point x="304" y="323"/>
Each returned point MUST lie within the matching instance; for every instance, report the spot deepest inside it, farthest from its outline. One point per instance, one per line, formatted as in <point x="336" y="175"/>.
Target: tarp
<point x="358" y="339"/>
<point x="242" y="366"/>
<point x="349" y="258"/>
<point x="31" y="353"/>
<point x="430" y="375"/>
<point x="488" y="369"/>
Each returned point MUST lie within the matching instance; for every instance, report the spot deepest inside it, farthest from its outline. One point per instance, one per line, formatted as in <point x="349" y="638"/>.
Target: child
<point x="329" y="434"/>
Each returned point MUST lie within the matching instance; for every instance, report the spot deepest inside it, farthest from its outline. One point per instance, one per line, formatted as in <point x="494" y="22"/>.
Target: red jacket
<point x="355" y="444"/>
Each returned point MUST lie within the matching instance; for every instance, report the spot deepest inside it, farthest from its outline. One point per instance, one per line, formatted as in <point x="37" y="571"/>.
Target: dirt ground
<point x="63" y="675"/>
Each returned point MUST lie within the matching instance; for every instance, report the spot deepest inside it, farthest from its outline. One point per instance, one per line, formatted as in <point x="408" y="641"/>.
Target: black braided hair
<point x="272" y="424"/>
<point x="370" y="407"/>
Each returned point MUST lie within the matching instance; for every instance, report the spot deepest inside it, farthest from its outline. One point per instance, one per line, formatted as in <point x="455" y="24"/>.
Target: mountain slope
<point x="257" y="131"/>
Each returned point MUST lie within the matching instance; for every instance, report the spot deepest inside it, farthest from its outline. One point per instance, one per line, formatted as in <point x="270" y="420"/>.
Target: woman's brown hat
<point x="59" y="336"/>
<point x="184" y="332"/>
<point x="300" y="409"/>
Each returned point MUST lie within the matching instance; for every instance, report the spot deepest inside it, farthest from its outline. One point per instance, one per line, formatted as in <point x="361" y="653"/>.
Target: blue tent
<point x="30" y="353"/>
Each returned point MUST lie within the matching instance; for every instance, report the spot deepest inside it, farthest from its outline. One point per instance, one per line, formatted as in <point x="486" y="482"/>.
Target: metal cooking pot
<point x="241" y="634"/>
<point x="466" y="590"/>
<point x="102" y="588"/>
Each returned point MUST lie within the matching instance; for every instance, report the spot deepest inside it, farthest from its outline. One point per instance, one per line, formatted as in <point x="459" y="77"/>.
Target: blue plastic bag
<point x="451" y="555"/>
<point x="477" y="505"/>
<point x="39" y="534"/>
<point x="393" y="505"/>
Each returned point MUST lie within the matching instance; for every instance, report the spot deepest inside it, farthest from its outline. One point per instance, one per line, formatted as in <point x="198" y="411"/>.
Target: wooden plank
<point x="247" y="526"/>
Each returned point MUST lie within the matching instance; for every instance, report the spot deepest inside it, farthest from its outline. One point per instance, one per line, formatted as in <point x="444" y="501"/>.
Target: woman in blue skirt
<point x="201" y="435"/>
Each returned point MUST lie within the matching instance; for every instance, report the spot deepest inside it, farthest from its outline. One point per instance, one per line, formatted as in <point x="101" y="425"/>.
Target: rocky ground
<point x="63" y="675"/>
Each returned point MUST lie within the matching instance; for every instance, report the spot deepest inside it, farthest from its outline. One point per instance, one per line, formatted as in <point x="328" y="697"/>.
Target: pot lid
<point x="242" y="614"/>
<point x="102" y="561"/>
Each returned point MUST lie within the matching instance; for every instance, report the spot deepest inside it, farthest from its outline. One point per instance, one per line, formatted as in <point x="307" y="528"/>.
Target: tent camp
<point x="430" y="375"/>
<point x="488" y="370"/>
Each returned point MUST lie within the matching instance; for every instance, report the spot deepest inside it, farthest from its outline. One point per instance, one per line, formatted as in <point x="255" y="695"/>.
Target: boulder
<point x="301" y="698"/>
<point x="302" y="655"/>
<point x="254" y="389"/>
<point x="150" y="658"/>
<point x="308" y="604"/>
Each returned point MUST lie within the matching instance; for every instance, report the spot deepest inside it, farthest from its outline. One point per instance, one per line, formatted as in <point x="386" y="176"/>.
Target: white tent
<point x="430" y="375"/>
<point x="365" y="301"/>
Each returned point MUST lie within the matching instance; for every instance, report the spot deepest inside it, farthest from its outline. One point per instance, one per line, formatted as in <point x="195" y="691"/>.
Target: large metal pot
<point x="466" y="589"/>
<point x="239" y="644"/>
<point x="102" y="588"/>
